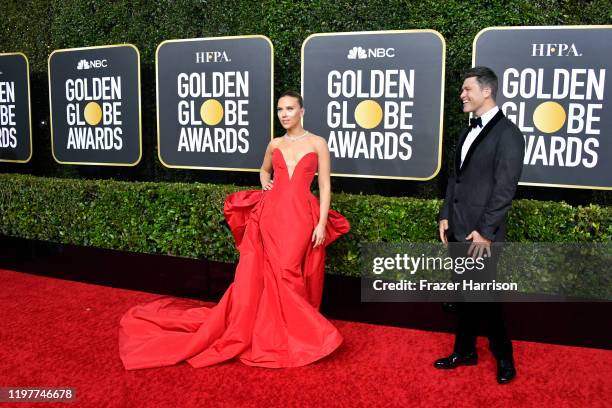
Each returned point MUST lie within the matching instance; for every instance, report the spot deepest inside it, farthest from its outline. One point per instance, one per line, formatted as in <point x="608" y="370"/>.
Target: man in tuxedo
<point x="488" y="164"/>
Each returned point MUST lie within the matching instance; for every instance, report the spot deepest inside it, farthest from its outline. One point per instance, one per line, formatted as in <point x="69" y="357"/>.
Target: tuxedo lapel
<point x="458" y="149"/>
<point x="483" y="133"/>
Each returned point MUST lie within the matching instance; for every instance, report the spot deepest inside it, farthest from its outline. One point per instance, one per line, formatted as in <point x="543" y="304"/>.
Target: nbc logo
<point x="83" y="64"/>
<point x="361" y="53"/>
<point x="357" y="52"/>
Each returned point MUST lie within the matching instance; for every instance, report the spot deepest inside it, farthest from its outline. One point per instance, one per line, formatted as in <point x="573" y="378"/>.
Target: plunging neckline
<point x="296" y="164"/>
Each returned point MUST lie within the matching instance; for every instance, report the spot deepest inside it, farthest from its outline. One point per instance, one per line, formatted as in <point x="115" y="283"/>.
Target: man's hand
<point x="480" y="247"/>
<point x="443" y="226"/>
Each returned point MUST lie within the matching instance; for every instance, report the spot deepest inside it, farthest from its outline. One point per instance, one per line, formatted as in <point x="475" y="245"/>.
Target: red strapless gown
<point x="269" y="315"/>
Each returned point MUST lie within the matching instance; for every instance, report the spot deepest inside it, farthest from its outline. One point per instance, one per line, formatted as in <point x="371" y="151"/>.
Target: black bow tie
<point x="475" y="122"/>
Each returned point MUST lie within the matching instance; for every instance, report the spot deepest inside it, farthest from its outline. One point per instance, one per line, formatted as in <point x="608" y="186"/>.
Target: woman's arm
<point x="265" y="172"/>
<point x="318" y="235"/>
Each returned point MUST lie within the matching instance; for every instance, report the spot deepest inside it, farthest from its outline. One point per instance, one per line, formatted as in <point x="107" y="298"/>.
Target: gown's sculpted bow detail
<point x="269" y="315"/>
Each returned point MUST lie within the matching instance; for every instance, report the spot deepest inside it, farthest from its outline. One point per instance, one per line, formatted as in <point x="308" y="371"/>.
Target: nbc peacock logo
<point x="83" y="64"/>
<point x="357" y="53"/>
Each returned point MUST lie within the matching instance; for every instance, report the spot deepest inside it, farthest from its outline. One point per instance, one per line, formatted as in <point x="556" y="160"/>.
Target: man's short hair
<point x="295" y="95"/>
<point x="486" y="78"/>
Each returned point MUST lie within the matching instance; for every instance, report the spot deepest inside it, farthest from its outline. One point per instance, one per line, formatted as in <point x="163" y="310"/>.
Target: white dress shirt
<point x="473" y="134"/>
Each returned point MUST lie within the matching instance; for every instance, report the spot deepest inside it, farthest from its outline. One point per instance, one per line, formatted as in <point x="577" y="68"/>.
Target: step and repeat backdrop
<point x="15" y="118"/>
<point x="378" y="100"/>
<point x="376" y="97"/>
<point x="94" y="97"/>
<point x="214" y="102"/>
<point x="552" y="84"/>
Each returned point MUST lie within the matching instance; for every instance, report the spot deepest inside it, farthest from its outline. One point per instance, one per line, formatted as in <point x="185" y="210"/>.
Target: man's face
<point x="472" y="95"/>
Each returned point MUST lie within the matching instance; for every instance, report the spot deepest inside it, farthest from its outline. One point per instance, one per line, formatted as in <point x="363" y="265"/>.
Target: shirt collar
<point x="488" y="115"/>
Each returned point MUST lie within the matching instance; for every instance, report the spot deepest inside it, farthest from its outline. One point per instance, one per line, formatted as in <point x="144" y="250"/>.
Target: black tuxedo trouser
<point x="470" y="315"/>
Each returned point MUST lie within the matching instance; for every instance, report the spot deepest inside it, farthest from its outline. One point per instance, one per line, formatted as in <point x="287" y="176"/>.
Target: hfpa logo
<point x="211" y="56"/>
<point x="362" y="53"/>
<point x="554" y="50"/>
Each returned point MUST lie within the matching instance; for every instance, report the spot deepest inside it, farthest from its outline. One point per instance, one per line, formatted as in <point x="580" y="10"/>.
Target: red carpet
<point x="63" y="333"/>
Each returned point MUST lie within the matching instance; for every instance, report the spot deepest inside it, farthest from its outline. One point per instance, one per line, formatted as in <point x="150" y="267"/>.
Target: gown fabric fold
<point x="269" y="316"/>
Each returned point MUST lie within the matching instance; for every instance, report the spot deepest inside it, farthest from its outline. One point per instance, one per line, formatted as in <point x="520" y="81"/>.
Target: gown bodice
<point x="302" y="176"/>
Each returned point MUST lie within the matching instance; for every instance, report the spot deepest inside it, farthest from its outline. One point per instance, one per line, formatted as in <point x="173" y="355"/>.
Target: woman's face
<point x="289" y="112"/>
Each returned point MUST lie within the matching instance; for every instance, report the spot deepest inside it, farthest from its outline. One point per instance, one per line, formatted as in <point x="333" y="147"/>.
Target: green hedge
<point x="186" y="219"/>
<point x="37" y="27"/>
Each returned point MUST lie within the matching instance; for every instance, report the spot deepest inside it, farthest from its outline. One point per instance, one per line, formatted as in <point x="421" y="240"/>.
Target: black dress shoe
<point x="456" y="360"/>
<point x="505" y="370"/>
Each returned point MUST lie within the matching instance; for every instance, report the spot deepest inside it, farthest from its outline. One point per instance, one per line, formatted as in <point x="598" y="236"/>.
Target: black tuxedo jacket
<point x="480" y="192"/>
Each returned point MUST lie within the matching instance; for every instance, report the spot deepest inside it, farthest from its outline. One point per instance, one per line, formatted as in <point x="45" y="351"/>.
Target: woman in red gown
<point x="269" y="316"/>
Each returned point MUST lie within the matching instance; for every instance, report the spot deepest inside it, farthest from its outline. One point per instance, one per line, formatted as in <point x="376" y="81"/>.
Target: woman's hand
<point x="268" y="185"/>
<point x="318" y="235"/>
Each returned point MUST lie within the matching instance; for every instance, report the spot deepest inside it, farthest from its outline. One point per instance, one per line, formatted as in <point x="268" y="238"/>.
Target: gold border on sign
<point x="442" y="81"/>
<point x="568" y="27"/>
<point x="139" y="105"/>
<point x="29" y="106"/>
<point x="263" y="37"/>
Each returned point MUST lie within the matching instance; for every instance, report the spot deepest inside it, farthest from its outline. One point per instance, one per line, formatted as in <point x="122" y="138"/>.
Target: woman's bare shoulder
<point x="274" y="143"/>
<point x="318" y="142"/>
